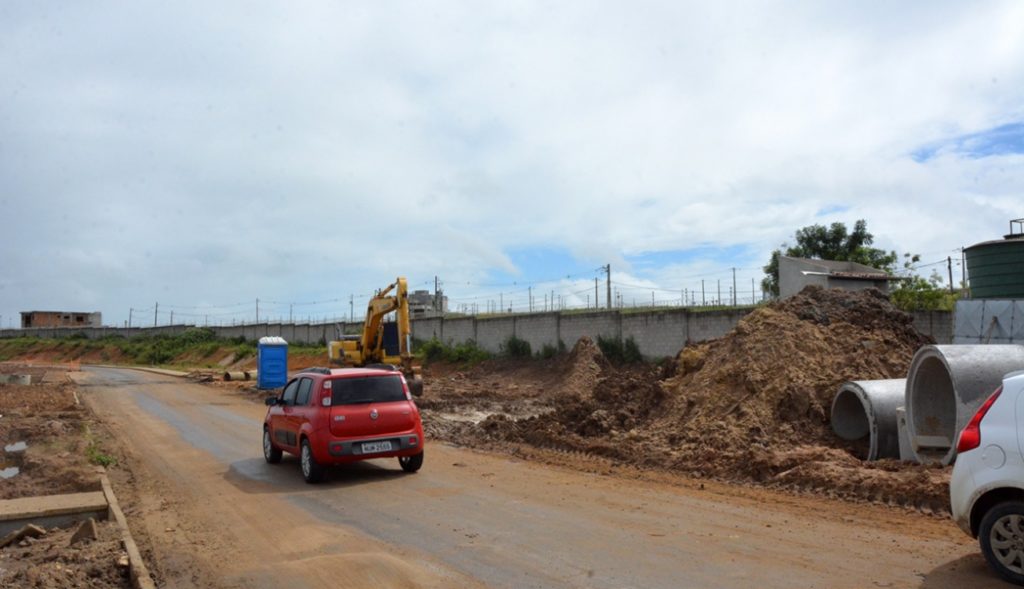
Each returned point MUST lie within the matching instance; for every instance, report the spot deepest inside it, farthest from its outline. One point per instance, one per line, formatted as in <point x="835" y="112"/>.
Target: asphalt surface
<point x="212" y="513"/>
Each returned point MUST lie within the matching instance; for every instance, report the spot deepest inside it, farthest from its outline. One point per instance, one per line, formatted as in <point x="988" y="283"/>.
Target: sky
<point x="201" y="156"/>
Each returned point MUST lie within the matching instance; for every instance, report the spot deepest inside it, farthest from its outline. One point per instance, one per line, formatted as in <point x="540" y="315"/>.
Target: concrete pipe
<point x="867" y="409"/>
<point x="945" y="386"/>
<point x="240" y="375"/>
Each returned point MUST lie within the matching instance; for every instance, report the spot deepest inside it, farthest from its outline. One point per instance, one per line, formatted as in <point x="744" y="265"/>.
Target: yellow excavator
<point x="386" y="343"/>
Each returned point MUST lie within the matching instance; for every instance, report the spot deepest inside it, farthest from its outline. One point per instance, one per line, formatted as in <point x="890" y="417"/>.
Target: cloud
<point x="219" y="153"/>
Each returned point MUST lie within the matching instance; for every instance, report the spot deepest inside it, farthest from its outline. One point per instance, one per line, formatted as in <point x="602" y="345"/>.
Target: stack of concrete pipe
<point x="918" y="418"/>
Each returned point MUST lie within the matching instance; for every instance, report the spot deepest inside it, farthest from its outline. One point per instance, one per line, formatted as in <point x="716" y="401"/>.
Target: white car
<point x="986" y="490"/>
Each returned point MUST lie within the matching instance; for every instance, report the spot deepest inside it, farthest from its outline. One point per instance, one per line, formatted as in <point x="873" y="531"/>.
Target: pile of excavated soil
<point x="751" y="406"/>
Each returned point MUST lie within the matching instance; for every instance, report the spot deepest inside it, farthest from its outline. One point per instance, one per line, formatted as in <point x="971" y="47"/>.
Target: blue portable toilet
<point x="271" y="362"/>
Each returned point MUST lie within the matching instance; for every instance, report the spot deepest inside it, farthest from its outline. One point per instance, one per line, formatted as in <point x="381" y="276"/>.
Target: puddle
<point x="476" y="417"/>
<point x="16" y="447"/>
<point x="9" y="466"/>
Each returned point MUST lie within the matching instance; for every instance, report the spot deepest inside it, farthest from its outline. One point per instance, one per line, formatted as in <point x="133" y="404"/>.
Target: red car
<point x="341" y="415"/>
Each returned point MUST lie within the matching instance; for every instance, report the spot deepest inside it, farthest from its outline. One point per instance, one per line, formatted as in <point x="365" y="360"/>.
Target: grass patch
<point x="94" y="451"/>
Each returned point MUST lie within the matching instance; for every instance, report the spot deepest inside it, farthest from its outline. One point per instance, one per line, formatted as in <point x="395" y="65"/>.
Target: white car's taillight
<point x="970" y="437"/>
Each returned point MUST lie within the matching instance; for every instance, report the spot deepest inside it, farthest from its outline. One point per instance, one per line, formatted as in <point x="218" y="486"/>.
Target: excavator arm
<point x="369" y="348"/>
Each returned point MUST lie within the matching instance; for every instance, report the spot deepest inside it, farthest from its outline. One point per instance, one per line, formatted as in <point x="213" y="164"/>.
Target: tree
<point x="916" y="293"/>
<point x="834" y="242"/>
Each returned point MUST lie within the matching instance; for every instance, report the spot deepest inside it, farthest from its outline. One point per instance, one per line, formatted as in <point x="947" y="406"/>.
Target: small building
<point x="61" y="319"/>
<point x="422" y="303"/>
<point x="796" y="273"/>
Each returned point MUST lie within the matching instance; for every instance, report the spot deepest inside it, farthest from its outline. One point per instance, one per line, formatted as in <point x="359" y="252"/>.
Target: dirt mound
<point x="583" y="368"/>
<point x="751" y="406"/>
<point x="770" y="382"/>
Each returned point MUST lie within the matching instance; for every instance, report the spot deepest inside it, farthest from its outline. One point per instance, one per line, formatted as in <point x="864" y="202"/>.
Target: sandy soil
<point x="47" y="436"/>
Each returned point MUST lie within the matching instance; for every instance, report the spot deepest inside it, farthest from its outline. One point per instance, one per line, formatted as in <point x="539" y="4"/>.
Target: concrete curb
<point x="68" y="509"/>
<point x="138" y="571"/>
<point x="51" y="510"/>
<point x="162" y="371"/>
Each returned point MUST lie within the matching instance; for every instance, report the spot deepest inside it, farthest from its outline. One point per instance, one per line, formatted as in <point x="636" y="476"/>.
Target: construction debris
<point x="86" y="532"/>
<point x="29" y="531"/>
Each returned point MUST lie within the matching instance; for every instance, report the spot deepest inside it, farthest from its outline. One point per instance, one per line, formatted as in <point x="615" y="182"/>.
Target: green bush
<point x="620" y="352"/>
<point x="244" y="351"/>
<point x="197" y="335"/>
<point x="548" y="351"/>
<point x="516" y="348"/>
<point x="432" y="350"/>
<point x="465" y="353"/>
<point x="631" y="352"/>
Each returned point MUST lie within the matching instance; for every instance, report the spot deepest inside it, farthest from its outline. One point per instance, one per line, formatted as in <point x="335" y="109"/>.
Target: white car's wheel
<point x="1002" y="540"/>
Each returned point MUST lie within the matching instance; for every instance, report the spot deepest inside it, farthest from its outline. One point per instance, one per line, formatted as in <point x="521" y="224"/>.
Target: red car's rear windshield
<point x="366" y="389"/>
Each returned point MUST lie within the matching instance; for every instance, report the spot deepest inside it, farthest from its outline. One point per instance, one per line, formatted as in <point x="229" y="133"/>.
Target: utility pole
<point x="156" y="309"/>
<point x="351" y="308"/>
<point x="529" y="290"/>
<point x="734" y="287"/>
<point x="702" y="292"/>
<point x="753" y="293"/>
<point x="719" y="300"/>
<point x="963" y="269"/>
<point x="130" y="316"/>
<point x="608" y="274"/>
<point x="501" y="301"/>
<point x="257" y="309"/>
<point x="949" y="265"/>
<point x="172" y="317"/>
<point x="596" y="304"/>
<point x="436" y="309"/>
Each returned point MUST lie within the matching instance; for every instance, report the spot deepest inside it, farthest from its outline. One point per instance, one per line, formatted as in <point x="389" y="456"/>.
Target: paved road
<point x="213" y="514"/>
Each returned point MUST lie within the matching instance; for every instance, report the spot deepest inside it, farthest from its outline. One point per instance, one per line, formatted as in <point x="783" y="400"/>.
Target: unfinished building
<point x="61" y="319"/>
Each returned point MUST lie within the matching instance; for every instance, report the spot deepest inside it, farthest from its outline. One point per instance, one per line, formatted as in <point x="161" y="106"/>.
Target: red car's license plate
<point x="371" y="447"/>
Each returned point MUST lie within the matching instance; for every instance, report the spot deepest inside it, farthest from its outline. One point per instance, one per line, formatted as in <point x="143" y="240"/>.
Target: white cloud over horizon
<point x="198" y="154"/>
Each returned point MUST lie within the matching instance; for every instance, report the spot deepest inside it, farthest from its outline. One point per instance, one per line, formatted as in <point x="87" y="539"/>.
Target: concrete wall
<point x="989" y="321"/>
<point x="538" y="330"/>
<point x="657" y="333"/>
<point x="938" y="324"/>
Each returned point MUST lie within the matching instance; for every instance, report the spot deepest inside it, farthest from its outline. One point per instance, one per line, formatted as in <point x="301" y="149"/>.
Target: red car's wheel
<point x="411" y="463"/>
<point x="311" y="471"/>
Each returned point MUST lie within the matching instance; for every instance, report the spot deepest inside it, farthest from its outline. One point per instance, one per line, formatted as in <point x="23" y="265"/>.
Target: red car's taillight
<point x="970" y="438"/>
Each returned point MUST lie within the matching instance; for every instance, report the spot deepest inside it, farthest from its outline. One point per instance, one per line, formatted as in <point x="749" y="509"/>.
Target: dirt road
<point x="211" y="513"/>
